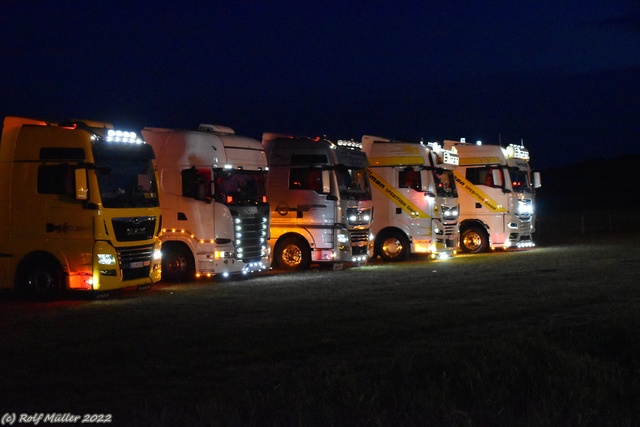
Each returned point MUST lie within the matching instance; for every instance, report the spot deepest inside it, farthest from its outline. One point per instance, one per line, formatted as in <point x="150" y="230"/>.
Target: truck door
<point x="47" y="216"/>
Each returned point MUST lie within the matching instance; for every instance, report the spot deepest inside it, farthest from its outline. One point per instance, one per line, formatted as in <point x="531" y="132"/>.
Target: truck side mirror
<point x="496" y="174"/>
<point x="326" y="182"/>
<point x="82" y="188"/>
<point x="424" y="179"/>
<point x="537" y="183"/>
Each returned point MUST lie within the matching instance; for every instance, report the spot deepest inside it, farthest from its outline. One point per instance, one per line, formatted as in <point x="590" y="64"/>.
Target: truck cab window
<point x="353" y="183"/>
<point x="196" y="183"/>
<point x="445" y="183"/>
<point x="240" y="186"/>
<point x="126" y="180"/>
<point x="410" y="178"/>
<point x="56" y="179"/>
<point x="306" y="179"/>
<point x="482" y="176"/>
<point x="520" y="180"/>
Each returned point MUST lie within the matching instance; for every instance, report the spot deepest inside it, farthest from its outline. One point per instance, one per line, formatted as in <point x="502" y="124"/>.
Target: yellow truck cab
<point x="79" y="208"/>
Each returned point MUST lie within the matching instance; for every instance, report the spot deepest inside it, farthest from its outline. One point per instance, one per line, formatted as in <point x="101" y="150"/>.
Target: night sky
<point x="564" y="76"/>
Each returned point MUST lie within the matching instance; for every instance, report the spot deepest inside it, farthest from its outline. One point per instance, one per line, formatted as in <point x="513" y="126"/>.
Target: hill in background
<point x="595" y="184"/>
<point x="598" y="196"/>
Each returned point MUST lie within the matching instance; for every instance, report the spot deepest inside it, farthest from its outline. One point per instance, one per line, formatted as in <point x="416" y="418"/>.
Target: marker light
<point x="526" y="244"/>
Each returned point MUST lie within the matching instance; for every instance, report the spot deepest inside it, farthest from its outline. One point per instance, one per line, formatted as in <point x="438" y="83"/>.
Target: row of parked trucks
<point x="86" y="207"/>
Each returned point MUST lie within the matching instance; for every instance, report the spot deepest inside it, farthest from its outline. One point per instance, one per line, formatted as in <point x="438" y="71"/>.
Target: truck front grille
<point x="359" y="237"/>
<point x="525" y="227"/>
<point x="134" y="228"/>
<point x="450" y="230"/>
<point x="251" y="225"/>
<point x="135" y="262"/>
<point x="253" y="235"/>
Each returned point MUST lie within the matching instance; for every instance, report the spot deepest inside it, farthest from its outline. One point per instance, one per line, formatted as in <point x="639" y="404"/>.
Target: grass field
<point x="546" y="337"/>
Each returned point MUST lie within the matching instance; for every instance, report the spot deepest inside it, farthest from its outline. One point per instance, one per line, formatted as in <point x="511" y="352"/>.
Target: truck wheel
<point x="293" y="254"/>
<point x="177" y="263"/>
<point x="393" y="246"/>
<point x="40" y="279"/>
<point x="474" y="240"/>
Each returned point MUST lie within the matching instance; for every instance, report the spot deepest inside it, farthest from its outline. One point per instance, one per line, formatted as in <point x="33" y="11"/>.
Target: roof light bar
<point x="123" y="136"/>
<point x="517" y="152"/>
<point x="350" y="144"/>
<point x="450" y="158"/>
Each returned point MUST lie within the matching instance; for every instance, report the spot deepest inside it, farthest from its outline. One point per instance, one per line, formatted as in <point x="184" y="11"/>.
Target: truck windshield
<point x="353" y="183"/>
<point x="240" y="187"/>
<point x="445" y="183"/>
<point x="126" y="177"/>
<point x="520" y="180"/>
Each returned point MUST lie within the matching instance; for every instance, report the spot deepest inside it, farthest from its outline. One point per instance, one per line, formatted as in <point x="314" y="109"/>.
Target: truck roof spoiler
<point x="270" y="136"/>
<point x="205" y="127"/>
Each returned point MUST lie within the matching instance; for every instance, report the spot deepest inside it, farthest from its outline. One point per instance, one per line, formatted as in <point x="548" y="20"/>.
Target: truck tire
<point x="40" y="278"/>
<point x="177" y="263"/>
<point x="474" y="240"/>
<point x="393" y="246"/>
<point x="293" y="253"/>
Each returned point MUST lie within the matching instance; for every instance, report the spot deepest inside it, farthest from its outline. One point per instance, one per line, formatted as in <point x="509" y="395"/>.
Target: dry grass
<point x="542" y="337"/>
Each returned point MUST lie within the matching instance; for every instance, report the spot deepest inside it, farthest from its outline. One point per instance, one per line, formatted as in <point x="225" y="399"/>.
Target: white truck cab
<point x="214" y="207"/>
<point x="414" y="196"/>
<point x="321" y="202"/>
<point x="496" y="189"/>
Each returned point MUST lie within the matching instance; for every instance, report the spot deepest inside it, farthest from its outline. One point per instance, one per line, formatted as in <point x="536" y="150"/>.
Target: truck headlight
<point x="525" y="208"/>
<point x="359" y="217"/>
<point x="450" y="212"/>
<point x="106" y="259"/>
